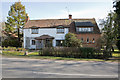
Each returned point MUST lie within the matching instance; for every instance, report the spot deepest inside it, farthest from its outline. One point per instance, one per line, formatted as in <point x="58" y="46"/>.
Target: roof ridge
<point x="64" y="19"/>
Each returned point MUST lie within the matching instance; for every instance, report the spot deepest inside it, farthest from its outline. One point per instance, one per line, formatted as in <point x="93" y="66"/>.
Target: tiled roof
<point x="49" y="23"/>
<point x="54" y="22"/>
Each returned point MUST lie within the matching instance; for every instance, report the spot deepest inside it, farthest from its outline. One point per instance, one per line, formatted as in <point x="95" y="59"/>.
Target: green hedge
<point x="11" y="42"/>
<point x="71" y="52"/>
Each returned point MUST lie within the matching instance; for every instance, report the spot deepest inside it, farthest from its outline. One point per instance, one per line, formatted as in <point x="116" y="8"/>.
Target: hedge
<point x="71" y="52"/>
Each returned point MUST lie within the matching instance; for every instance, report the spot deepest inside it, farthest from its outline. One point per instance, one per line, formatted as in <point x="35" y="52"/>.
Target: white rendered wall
<point x="45" y="31"/>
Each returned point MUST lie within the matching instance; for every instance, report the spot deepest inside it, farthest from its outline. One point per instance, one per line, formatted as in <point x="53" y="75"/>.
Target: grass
<point x="35" y="55"/>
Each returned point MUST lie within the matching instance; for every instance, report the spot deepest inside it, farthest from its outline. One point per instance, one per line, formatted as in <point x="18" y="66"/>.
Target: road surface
<point x="44" y="68"/>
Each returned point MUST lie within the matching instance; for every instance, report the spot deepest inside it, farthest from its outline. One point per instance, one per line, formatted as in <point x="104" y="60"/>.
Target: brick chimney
<point x="27" y="18"/>
<point x="70" y="16"/>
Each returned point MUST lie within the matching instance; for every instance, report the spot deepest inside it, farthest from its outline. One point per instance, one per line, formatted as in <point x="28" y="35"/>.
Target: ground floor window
<point x="93" y="40"/>
<point x="59" y="42"/>
<point x="87" y="40"/>
<point x="33" y="42"/>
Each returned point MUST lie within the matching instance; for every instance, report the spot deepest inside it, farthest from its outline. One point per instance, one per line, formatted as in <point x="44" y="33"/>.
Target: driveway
<point x="42" y="68"/>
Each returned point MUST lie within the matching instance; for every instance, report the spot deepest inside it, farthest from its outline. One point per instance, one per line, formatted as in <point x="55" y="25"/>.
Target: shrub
<point x="11" y="42"/>
<point x="71" y="40"/>
<point x="70" y="52"/>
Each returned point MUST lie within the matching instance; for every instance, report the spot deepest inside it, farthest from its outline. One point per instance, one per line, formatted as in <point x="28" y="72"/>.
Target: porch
<point x="43" y="41"/>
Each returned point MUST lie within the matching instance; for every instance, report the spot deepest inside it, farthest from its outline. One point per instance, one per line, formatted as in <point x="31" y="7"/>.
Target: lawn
<point x="35" y="55"/>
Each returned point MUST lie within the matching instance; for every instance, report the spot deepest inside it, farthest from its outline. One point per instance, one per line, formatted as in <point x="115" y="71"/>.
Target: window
<point x="60" y="29"/>
<point x="33" y="42"/>
<point x="87" y="40"/>
<point x="59" y="42"/>
<point x="82" y="40"/>
<point x="93" y="40"/>
<point x="34" y="31"/>
<point x="84" y="29"/>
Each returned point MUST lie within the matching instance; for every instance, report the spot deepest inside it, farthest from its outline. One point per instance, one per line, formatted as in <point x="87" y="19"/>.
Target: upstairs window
<point x="84" y="29"/>
<point x="35" y="31"/>
<point x="60" y="29"/>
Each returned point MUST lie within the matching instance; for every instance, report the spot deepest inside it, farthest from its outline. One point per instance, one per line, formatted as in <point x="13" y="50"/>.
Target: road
<point x="42" y="68"/>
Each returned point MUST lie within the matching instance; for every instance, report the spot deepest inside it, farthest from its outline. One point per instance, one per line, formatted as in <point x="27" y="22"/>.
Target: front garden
<point x="67" y="53"/>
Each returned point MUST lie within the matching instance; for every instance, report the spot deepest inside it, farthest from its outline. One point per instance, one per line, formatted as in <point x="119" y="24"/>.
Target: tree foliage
<point x="117" y="11"/>
<point x="71" y="40"/>
<point x="16" y="19"/>
<point x="109" y="33"/>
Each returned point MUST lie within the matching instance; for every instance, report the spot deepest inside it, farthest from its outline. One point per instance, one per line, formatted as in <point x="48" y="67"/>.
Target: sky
<point x="60" y="10"/>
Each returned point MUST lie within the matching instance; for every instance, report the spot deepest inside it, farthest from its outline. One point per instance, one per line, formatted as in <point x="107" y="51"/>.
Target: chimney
<point x="70" y="16"/>
<point x="27" y="18"/>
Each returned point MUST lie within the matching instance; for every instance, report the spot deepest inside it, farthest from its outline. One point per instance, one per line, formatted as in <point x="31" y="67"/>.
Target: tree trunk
<point x="19" y="37"/>
<point x="112" y="49"/>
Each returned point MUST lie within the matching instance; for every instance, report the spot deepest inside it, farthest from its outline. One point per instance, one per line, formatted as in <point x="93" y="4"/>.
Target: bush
<point x="70" y="52"/>
<point x="11" y="42"/>
<point x="71" y="40"/>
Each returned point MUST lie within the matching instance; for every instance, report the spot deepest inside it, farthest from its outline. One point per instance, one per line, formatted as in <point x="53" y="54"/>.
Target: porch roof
<point x="44" y="37"/>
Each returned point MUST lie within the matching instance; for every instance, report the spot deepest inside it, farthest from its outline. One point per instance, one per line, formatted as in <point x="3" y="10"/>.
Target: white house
<point x="51" y="32"/>
<point x="33" y="37"/>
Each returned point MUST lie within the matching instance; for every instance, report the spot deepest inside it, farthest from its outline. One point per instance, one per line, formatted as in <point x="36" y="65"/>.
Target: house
<point x="51" y="32"/>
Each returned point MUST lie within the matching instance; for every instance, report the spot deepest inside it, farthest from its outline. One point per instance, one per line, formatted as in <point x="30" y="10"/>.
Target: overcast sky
<point x="60" y="10"/>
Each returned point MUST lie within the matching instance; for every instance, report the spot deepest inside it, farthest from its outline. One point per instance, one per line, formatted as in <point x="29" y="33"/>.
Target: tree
<point x="109" y="33"/>
<point x="117" y="11"/>
<point x="71" y="40"/>
<point x="16" y="19"/>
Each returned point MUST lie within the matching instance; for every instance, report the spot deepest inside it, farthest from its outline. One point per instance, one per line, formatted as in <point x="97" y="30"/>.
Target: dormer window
<point x="84" y="26"/>
<point x="60" y="29"/>
<point x="34" y="30"/>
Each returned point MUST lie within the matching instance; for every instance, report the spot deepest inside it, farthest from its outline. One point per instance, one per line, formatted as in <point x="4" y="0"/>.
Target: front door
<point x="38" y="44"/>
